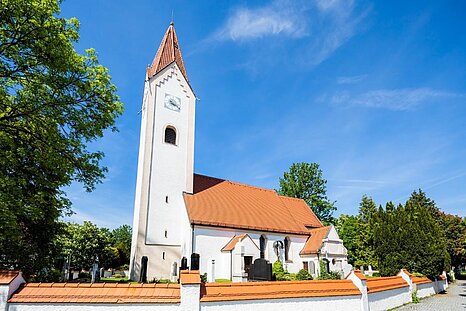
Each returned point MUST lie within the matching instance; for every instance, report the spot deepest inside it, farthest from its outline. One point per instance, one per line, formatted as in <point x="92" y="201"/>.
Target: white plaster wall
<point x="92" y="307"/>
<point x="4" y="296"/>
<point x="163" y="170"/>
<point x="313" y="303"/>
<point x="441" y="286"/>
<point x="389" y="299"/>
<point x="190" y="294"/>
<point x="424" y="290"/>
<point x="171" y="167"/>
<point x="208" y="242"/>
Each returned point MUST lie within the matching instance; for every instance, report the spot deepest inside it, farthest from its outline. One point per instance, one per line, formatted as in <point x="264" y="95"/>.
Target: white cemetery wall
<point x="389" y="299"/>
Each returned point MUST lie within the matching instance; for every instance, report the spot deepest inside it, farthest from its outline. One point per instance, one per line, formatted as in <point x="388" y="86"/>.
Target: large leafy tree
<point x="83" y="243"/>
<point x="349" y="229"/>
<point x="53" y="103"/>
<point x="306" y="181"/>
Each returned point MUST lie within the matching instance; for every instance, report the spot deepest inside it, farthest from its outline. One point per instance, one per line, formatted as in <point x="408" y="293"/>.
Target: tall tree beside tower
<point x="53" y="103"/>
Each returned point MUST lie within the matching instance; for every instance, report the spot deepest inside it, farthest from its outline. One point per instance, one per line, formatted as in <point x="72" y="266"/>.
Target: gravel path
<point x="454" y="299"/>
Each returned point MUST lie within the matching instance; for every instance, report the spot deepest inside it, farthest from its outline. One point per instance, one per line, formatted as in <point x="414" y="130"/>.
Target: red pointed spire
<point x="168" y="52"/>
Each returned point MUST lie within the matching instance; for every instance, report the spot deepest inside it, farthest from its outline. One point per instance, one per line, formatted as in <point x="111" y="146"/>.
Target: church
<point x="229" y="224"/>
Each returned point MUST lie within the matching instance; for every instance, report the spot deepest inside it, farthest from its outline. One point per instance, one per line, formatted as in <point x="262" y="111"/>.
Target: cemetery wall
<point x="355" y="293"/>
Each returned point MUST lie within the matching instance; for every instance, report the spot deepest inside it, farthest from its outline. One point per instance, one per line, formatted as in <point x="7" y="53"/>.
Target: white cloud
<point x="351" y="79"/>
<point x="321" y="25"/>
<point x="397" y="99"/>
<point x="277" y="18"/>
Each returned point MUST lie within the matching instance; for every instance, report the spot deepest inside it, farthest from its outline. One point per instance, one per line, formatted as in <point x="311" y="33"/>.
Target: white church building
<point x="229" y="224"/>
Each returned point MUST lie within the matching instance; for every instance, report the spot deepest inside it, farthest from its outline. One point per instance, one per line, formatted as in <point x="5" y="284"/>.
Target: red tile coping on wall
<point x="420" y="280"/>
<point x="6" y="276"/>
<point x="190" y="277"/>
<point x="360" y="275"/>
<point x="96" y="293"/>
<point x="385" y="283"/>
<point x="277" y="290"/>
<point x="407" y="272"/>
<point x="442" y="277"/>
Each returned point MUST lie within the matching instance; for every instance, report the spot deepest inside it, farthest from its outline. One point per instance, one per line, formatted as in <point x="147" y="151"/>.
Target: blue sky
<point x="375" y="92"/>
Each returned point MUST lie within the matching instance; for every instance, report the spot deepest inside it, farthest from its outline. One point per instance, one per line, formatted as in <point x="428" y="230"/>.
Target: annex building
<point x="229" y="224"/>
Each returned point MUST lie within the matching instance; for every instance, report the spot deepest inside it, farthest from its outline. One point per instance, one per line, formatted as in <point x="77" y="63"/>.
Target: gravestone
<point x="261" y="270"/>
<point x="194" y="261"/>
<point x="184" y="263"/>
<point x="143" y="277"/>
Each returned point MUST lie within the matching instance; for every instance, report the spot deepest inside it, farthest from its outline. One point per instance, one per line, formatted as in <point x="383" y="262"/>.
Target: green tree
<point x="349" y="228"/>
<point x="365" y="252"/>
<point x="53" y="103"/>
<point x="82" y="243"/>
<point x="121" y="242"/>
<point x="454" y="228"/>
<point x="305" y="181"/>
<point x="409" y="237"/>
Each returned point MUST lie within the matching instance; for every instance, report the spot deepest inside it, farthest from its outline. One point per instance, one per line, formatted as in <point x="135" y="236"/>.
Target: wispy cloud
<point x="321" y="25"/>
<point x="277" y="18"/>
<point x="396" y="99"/>
<point x="351" y="79"/>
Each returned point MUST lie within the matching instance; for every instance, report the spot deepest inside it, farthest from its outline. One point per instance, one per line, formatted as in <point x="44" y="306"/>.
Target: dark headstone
<point x="143" y="276"/>
<point x="194" y="261"/>
<point x="184" y="263"/>
<point x="261" y="270"/>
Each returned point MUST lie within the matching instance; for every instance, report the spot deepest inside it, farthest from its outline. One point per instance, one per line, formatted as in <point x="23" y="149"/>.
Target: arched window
<point x="312" y="268"/>
<point x="287" y="243"/>
<point x="262" y="245"/>
<point x="170" y="135"/>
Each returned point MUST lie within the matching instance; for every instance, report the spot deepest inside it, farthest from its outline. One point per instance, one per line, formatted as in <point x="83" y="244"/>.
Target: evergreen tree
<point x="365" y="252"/>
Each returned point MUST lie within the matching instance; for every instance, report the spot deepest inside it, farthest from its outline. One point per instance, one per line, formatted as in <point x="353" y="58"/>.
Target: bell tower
<point x="161" y="228"/>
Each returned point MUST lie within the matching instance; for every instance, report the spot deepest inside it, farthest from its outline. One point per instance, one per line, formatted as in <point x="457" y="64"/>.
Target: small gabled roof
<point x="7" y="276"/>
<point x="232" y="243"/>
<point x="315" y="240"/>
<point x="223" y="203"/>
<point x="169" y="51"/>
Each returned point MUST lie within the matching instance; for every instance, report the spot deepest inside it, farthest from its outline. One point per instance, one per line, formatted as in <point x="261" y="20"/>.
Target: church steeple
<point x="168" y="52"/>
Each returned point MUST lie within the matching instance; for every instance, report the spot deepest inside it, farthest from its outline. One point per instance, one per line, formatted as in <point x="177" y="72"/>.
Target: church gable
<point x="222" y="203"/>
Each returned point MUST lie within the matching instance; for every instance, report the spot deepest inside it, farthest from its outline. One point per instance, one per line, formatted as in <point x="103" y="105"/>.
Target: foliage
<point x="303" y="275"/>
<point x="348" y="227"/>
<point x="48" y="276"/>
<point x="357" y="234"/>
<point x="414" y="297"/>
<point x="409" y="236"/>
<point x="121" y="244"/>
<point x="280" y="274"/>
<point x="115" y="280"/>
<point x="204" y="278"/>
<point x="53" y="103"/>
<point x="84" y="242"/>
<point x="455" y="233"/>
<point x="324" y="275"/>
<point x="305" y="181"/>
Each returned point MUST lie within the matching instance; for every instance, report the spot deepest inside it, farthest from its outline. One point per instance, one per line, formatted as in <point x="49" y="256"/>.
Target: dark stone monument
<point x="143" y="276"/>
<point x="194" y="261"/>
<point x="261" y="270"/>
<point x="184" y="263"/>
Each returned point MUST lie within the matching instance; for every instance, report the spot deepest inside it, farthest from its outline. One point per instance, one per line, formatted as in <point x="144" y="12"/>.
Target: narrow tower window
<point x="163" y="255"/>
<point x="166" y="199"/>
<point x="170" y="135"/>
<point x="166" y="233"/>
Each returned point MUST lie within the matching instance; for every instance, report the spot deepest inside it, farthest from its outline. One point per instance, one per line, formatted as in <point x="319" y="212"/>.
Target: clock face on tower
<point x="172" y="102"/>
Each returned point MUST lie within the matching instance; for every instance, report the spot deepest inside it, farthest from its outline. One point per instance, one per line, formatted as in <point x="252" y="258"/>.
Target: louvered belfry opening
<point x="170" y="136"/>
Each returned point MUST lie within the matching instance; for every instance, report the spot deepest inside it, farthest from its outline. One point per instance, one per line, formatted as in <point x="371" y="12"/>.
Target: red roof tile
<point x="168" y="52"/>
<point x="222" y="203"/>
<point x="190" y="277"/>
<point x="385" y="283"/>
<point x="96" y="293"/>
<point x="6" y="276"/>
<point x="276" y="290"/>
<point x="420" y="280"/>
<point x="314" y="242"/>
<point x="232" y="243"/>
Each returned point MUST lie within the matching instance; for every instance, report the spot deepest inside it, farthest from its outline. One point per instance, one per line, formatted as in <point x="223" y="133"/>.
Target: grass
<point x="116" y="280"/>
<point x="222" y="281"/>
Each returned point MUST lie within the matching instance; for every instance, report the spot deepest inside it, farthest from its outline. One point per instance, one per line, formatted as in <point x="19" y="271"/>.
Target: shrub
<point x="84" y="275"/>
<point x="48" y="276"/>
<point x="414" y="297"/>
<point x="303" y="275"/>
<point x="204" y="278"/>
